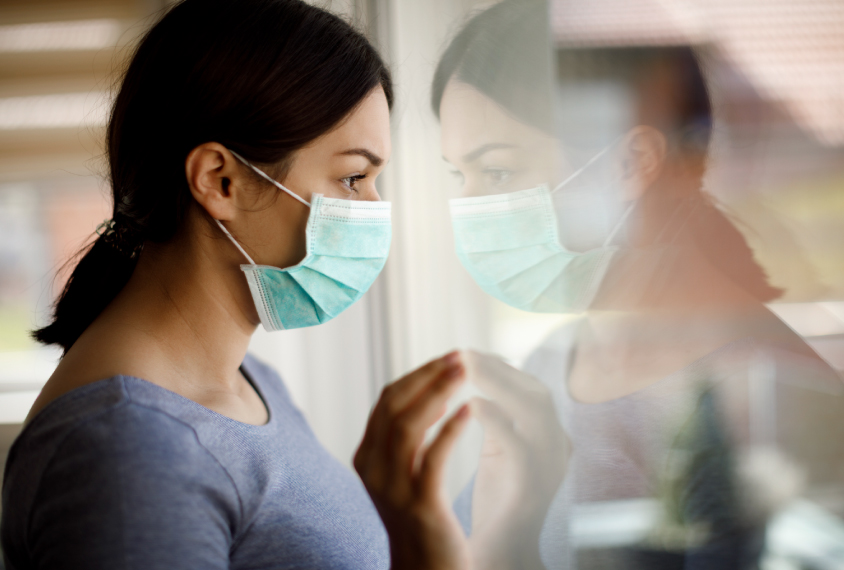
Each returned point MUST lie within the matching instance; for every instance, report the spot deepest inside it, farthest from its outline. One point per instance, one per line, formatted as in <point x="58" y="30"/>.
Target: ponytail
<point x="716" y="237"/>
<point x="98" y="277"/>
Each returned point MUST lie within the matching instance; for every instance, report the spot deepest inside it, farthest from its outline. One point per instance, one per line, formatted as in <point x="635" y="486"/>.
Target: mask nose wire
<point x="234" y="241"/>
<point x="264" y="175"/>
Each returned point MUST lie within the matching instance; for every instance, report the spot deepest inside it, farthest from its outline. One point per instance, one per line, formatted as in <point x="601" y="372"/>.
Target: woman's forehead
<point x="471" y="120"/>
<point x="366" y="127"/>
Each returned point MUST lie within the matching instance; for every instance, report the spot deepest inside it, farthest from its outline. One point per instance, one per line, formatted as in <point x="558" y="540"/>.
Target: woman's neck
<point x="671" y="279"/>
<point x="194" y="313"/>
<point x="654" y="318"/>
<point x="182" y="321"/>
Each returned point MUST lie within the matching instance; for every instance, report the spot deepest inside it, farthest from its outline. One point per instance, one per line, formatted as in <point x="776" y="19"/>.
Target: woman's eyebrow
<point x="373" y="158"/>
<point x="483" y="149"/>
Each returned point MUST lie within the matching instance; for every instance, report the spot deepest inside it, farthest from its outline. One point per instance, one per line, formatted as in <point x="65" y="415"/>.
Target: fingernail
<point x="454" y="371"/>
<point x="452" y="358"/>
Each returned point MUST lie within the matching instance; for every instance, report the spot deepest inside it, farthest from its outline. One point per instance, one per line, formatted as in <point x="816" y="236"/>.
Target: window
<point x="775" y="74"/>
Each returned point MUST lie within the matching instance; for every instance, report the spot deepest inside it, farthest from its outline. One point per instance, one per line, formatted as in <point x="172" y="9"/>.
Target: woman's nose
<point x="472" y="189"/>
<point x="372" y="196"/>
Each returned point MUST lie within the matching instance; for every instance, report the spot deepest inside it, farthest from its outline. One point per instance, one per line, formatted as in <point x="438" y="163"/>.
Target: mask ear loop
<point x="270" y="179"/>
<point x="589" y="163"/>
<point x="580" y="170"/>
<point x="234" y="241"/>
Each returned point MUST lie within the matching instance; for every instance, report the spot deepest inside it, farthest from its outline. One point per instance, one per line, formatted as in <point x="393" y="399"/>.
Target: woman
<point x="684" y="396"/>
<point x="245" y="132"/>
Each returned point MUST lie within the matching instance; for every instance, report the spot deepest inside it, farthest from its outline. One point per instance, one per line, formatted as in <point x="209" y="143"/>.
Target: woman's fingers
<point x="398" y="395"/>
<point x="520" y="395"/>
<point x="402" y="392"/>
<point x="432" y="466"/>
<point x="501" y="380"/>
<point x="395" y="396"/>
<point x="498" y="426"/>
<point x="407" y="430"/>
<point x="403" y="407"/>
<point x="422" y="528"/>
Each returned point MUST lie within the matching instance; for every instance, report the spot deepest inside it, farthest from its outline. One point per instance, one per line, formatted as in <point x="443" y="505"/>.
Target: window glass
<point x="648" y="204"/>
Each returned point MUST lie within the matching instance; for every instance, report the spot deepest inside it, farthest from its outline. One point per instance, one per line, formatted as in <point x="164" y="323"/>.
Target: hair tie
<point x="116" y="237"/>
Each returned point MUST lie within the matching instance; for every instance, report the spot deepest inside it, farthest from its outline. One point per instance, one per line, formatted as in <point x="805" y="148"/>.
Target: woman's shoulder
<point x="789" y="361"/>
<point x="96" y="461"/>
<point x="103" y="422"/>
<point x="128" y="424"/>
<point x="100" y="433"/>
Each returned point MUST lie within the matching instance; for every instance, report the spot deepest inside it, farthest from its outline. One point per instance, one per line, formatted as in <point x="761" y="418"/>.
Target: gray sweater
<point x="124" y="474"/>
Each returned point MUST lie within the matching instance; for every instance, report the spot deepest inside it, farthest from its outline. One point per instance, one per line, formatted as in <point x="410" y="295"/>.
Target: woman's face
<point x="492" y="152"/>
<point x="345" y="162"/>
<point x="340" y="164"/>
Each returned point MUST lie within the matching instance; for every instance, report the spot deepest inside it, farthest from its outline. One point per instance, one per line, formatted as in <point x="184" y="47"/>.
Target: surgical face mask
<point x="511" y="245"/>
<point x="347" y="244"/>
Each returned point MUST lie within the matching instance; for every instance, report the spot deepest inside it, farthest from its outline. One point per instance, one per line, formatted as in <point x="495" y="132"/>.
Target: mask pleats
<point x="350" y="272"/>
<point x="510" y="245"/>
<point x="328" y="296"/>
<point x="504" y="225"/>
<point x="289" y="302"/>
<point x="573" y="284"/>
<point x="349" y="239"/>
<point x="504" y="264"/>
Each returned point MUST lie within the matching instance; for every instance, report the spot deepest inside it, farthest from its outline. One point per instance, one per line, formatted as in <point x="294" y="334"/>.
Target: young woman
<point x="243" y="147"/>
<point x="681" y="392"/>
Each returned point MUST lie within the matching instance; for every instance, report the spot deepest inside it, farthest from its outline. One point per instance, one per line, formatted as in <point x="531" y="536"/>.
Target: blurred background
<point x="775" y="68"/>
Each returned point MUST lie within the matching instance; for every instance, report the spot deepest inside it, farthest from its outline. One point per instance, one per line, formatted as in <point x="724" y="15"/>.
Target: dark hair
<point x="506" y="53"/>
<point x="261" y="77"/>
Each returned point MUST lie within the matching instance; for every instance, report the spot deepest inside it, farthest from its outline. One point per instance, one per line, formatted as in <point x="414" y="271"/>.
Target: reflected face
<point x="491" y="151"/>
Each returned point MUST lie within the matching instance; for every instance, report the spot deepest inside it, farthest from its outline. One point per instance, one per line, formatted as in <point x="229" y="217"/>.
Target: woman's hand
<point x="523" y="462"/>
<point x="405" y="478"/>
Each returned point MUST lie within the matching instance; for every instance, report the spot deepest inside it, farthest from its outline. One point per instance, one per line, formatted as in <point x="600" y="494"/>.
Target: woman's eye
<point x="458" y="175"/>
<point x="498" y="175"/>
<point x="350" y="181"/>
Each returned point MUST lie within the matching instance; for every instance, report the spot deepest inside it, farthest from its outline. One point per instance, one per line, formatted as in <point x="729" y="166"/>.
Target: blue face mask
<point x="510" y="244"/>
<point x="347" y="244"/>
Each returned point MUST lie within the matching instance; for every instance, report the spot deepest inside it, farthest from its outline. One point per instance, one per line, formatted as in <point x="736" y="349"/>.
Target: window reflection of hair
<point x="505" y="53"/>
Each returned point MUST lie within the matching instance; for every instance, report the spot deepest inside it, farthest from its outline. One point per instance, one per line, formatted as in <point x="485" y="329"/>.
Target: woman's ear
<point x="215" y="180"/>
<point x="643" y="155"/>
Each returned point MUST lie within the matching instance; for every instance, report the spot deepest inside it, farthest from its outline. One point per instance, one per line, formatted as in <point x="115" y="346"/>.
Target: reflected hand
<point x="523" y="462"/>
<point x="405" y="478"/>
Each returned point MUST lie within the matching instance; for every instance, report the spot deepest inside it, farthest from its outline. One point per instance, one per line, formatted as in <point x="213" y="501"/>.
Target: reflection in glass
<point x="598" y="184"/>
